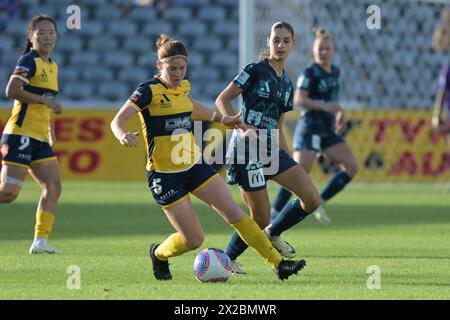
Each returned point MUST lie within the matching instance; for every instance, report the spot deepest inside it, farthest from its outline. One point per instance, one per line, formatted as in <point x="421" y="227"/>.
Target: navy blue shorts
<point x="168" y="188"/>
<point x="22" y="150"/>
<point x="307" y="139"/>
<point x="254" y="176"/>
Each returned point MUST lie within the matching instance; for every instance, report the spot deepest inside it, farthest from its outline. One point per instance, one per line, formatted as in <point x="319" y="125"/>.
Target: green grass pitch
<point x="105" y="229"/>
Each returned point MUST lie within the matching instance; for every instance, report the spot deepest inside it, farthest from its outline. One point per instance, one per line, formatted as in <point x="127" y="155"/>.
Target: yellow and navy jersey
<point x="40" y="77"/>
<point x="165" y="115"/>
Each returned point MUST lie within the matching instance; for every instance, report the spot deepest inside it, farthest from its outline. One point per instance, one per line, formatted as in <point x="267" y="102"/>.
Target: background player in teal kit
<point x="267" y="94"/>
<point x="318" y="128"/>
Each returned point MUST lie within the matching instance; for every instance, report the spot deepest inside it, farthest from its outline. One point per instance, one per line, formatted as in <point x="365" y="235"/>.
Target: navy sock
<point x="334" y="185"/>
<point x="291" y="214"/>
<point x="236" y="246"/>
<point x="282" y="199"/>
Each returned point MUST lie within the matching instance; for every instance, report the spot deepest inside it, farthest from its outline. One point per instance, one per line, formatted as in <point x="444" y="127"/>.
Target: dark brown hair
<point x="32" y="24"/>
<point x="277" y="25"/>
<point x="167" y="47"/>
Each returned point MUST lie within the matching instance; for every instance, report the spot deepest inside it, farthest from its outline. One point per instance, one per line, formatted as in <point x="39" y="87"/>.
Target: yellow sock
<point x="250" y="232"/>
<point x="173" y="246"/>
<point x="44" y="224"/>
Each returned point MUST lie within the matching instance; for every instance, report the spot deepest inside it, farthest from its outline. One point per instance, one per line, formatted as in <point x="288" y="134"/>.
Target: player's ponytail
<point x="32" y="24"/>
<point x="277" y="25"/>
<point x="28" y="46"/>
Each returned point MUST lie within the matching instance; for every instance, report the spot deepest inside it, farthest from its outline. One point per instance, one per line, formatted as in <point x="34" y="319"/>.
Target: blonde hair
<point x="441" y="35"/>
<point x="321" y="33"/>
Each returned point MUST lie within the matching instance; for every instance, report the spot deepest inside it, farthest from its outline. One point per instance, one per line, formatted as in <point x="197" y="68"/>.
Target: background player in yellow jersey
<point x="166" y="111"/>
<point x="27" y="139"/>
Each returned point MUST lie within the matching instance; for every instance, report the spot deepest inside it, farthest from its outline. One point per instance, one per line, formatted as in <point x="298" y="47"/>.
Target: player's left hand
<point x="234" y="121"/>
<point x="51" y="134"/>
<point x="340" y="121"/>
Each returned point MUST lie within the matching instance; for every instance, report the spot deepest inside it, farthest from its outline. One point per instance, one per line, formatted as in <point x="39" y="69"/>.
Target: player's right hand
<point x="55" y="106"/>
<point x="129" y="139"/>
<point x="435" y="123"/>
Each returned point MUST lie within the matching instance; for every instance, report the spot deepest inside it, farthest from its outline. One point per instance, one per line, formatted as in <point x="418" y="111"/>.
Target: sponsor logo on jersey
<point x="254" y="117"/>
<point x="24" y="156"/>
<point x="21" y="70"/>
<point x="165" y="103"/>
<point x="44" y="77"/>
<point x="242" y="78"/>
<point x="178" y="123"/>
<point x="256" y="178"/>
<point x="263" y="89"/>
<point x="135" y="96"/>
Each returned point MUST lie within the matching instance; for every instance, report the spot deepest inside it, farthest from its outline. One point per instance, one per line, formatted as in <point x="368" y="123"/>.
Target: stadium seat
<point x="108" y="13"/>
<point x="196" y="30"/>
<point x="147" y="60"/>
<point x="135" y="75"/>
<point x="102" y="44"/>
<point x="196" y="60"/>
<point x="204" y="75"/>
<point x="196" y="3"/>
<point x="138" y="45"/>
<point x="229" y="4"/>
<point x="122" y="29"/>
<point x="177" y="14"/>
<point x="69" y="44"/>
<point x="114" y="91"/>
<point x="211" y="14"/>
<point x="224" y="60"/>
<point x="9" y="61"/>
<point x="52" y="11"/>
<point x="7" y="44"/>
<point x="69" y="74"/>
<point x="208" y="45"/>
<point x="78" y="90"/>
<point x="82" y="59"/>
<point x="97" y="74"/>
<point x="119" y="59"/>
<point x="92" y="29"/>
<point x="226" y="29"/>
<point x="156" y="27"/>
<point x="142" y="15"/>
<point x="16" y="28"/>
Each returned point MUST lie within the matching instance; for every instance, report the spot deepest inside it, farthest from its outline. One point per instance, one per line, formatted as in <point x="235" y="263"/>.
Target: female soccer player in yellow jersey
<point x="27" y="139"/>
<point x="166" y="109"/>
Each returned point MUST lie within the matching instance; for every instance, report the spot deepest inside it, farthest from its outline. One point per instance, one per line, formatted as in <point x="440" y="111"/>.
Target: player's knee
<point x="53" y="189"/>
<point x="351" y="169"/>
<point x="312" y="203"/>
<point x="195" y="242"/>
<point x="7" y="197"/>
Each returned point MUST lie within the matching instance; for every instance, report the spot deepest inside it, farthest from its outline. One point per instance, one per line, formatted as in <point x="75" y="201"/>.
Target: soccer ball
<point x="212" y="265"/>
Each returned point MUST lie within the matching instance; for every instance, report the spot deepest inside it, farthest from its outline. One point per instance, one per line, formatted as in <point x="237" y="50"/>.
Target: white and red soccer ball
<point x="212" y="265"/>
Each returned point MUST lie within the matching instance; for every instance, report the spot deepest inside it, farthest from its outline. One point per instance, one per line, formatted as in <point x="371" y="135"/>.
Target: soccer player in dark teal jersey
<point x="267" y="94"/>
<point x="317" y="131"/>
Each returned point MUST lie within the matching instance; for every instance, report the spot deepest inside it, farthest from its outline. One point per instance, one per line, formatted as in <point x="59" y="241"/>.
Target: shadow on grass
<point x="101" y="220"/>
